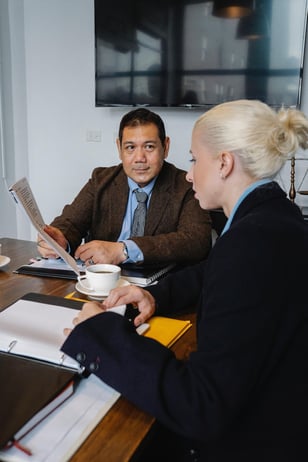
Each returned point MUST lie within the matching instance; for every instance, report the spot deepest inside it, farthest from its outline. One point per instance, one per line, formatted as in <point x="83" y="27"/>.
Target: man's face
<point x="142" y="153"/>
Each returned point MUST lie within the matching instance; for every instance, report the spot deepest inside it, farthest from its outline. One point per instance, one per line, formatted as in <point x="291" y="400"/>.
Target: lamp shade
<point x="252" y="27"/>
<point x="232" y="8"/>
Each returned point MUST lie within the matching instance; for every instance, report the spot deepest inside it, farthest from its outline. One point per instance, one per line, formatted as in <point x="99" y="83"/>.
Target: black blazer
<point x="243" y="395"/>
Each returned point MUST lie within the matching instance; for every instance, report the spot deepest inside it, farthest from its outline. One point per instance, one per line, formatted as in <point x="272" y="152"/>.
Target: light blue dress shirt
<point x="134" y="252"/>
<point x="247" y="191"/>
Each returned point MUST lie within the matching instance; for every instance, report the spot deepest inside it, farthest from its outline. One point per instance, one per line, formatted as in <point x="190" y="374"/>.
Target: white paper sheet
<point x="35" y="330"/>
<point x="60" y="434"/>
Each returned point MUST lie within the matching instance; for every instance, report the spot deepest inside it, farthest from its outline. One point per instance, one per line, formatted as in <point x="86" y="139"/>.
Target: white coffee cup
<point x="100" y="277"/>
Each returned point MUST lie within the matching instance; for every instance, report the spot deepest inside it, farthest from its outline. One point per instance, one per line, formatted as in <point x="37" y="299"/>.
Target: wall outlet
<point x="94" y="135"/>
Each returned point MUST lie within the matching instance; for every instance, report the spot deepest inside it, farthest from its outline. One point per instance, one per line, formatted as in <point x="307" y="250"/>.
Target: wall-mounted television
<point x="177" y="53"/>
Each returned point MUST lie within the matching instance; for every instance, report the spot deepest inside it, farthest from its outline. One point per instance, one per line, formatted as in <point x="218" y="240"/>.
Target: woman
<point x="243" y="395"/>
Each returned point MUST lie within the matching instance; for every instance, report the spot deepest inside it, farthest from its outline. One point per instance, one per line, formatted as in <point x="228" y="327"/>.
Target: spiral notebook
<point x="145" y="275"/>
<point x="142" y="275"/>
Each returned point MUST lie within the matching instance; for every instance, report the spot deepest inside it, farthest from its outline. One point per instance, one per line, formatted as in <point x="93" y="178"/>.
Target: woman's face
<point x="204" y="174"/>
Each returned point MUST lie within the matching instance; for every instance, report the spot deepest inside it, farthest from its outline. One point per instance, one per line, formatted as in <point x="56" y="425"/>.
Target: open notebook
<point x="35" y="330"/>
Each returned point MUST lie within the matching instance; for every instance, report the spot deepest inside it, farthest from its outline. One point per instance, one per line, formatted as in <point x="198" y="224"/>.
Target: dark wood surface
<point x="121" y="432"/>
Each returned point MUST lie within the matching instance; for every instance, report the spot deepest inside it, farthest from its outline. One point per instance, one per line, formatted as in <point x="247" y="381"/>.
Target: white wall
<point x="13" y="131"/>
<point x="52" y="64"/>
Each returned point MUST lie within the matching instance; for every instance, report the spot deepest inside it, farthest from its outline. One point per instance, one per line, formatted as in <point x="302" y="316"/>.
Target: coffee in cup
<point x="100" y="277"/>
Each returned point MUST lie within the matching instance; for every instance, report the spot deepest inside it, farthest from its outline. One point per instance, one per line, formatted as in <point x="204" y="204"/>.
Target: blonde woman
<point x="243" y="395"/>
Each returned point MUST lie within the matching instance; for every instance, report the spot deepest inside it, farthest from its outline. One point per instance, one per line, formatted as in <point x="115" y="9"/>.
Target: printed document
<point x="24" y="197"/>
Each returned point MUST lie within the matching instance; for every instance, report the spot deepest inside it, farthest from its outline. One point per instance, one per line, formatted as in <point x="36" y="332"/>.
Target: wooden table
<point x="121" y="432"/>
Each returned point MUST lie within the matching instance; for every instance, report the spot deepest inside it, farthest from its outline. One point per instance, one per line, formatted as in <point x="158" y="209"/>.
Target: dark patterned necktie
<point x="139" y="214"/>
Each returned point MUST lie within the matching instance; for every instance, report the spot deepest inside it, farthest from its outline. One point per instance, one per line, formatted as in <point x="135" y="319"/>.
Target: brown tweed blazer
<point x="176" y="229"/>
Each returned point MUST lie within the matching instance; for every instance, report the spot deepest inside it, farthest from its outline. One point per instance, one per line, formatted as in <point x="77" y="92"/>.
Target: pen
<point x="22" y="448"/>
<point x="11" y="345"/>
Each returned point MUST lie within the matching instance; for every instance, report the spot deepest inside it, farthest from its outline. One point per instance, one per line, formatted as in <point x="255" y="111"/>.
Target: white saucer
<point x="4" y="260"/>
<point x="83" y="289"/>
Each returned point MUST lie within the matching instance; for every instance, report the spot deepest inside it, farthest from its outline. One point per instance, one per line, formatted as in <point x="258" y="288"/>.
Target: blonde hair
<point x="262" y="138"/>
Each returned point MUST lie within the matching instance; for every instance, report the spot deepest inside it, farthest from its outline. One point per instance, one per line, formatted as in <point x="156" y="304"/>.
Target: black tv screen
<point x="177" y="53"/>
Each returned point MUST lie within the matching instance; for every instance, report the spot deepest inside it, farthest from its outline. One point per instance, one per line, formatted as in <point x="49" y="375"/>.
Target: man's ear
<point x="119" y="147"/>
<point x="166" y="147"/>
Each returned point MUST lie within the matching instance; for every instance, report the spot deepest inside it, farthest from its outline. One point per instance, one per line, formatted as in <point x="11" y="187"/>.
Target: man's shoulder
<point x="171" y="168"/>
<point x="99" y="172"/>
<point x="107" y="174"/>
<point x="170" y="174"/>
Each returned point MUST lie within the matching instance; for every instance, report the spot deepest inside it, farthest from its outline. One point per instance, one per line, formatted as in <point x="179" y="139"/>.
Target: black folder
<point x="32" y="270"/>
<point x="27" y="387"/>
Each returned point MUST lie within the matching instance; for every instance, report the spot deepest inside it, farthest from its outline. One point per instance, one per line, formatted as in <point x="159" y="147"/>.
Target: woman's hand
<point x="138" y="297"/>
<point x="88" y="310"/>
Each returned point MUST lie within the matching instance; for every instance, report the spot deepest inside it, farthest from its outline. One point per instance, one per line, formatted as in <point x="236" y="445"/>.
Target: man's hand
<point x="101" y="252"/>
<point x="43" y="247"/>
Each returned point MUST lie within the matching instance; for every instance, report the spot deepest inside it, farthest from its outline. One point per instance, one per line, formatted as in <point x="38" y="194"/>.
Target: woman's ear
<point x="226" y="164"/>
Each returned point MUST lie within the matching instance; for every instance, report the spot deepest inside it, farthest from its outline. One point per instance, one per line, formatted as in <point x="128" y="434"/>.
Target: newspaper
<point x="24" y="197"/>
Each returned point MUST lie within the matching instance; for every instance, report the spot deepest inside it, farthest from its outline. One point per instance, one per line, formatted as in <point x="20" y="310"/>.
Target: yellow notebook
<point x="74" y="296"/>
<point x="166" y="330"/>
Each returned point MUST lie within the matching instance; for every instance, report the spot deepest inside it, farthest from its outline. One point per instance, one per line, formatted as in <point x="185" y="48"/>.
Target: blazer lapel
<point x="119" y="196"/>
<point x="160" y="200"/>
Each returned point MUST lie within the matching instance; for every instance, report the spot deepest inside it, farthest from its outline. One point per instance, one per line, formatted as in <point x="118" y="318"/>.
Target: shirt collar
<point x="147" y="189"/>
<point x="247" y="191"/>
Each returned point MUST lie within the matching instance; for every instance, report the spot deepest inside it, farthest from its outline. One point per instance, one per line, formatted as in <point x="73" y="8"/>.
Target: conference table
<point x="125" y="429"/>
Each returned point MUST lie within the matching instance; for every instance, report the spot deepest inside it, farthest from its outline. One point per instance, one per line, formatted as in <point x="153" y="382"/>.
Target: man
<point x="102" y="214"/>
